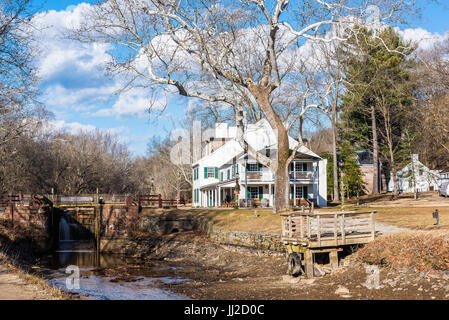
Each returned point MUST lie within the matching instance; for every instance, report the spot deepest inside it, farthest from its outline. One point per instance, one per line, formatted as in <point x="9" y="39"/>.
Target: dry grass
<point x="232" y="219"/>
<point x="420" y="250"/>
<point x="413" y="216"/>
<point x="259" y="220"/>
<point x="418" y="218"/>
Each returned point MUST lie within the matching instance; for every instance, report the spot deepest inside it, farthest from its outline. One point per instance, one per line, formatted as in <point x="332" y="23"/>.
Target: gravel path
<point x="12" y="287"/>
<point x="388" y="229"/>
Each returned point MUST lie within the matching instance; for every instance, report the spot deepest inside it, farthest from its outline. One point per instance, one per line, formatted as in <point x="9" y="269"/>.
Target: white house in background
<point x="216" y="173"/>
<point x="426" y="179"/>
<point x="444" y="177"/>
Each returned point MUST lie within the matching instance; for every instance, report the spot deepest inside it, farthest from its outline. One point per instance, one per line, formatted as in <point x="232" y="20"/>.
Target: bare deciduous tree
<point x="230" y="52"/>
<point x="430" y="118"/>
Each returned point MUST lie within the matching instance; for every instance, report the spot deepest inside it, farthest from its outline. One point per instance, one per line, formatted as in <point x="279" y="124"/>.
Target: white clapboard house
<point x="415" y="173"/>
<point x="225" y="163"/>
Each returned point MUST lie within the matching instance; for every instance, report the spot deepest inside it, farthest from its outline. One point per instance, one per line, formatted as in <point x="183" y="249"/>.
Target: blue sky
<point x="76" y="90"/>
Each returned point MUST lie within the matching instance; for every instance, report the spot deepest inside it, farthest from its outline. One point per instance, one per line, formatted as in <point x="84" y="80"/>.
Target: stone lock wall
<point x="258" y="240"/>
<point x="118" y="221"/>
<point x="37" y="224"/>
<point x="162" y="225"/>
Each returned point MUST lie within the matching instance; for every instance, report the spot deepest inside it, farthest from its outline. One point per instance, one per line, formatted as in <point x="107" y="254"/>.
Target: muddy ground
<point x="217" y="271"/>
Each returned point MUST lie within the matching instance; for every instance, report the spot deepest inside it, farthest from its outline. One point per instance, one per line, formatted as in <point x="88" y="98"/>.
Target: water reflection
<point x="108" y="276"/>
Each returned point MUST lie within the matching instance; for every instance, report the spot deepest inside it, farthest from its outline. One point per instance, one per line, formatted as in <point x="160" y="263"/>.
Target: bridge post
<point x="159" y="200"/>
<point x="11" y="208"/>
<point x="98" y="212"/>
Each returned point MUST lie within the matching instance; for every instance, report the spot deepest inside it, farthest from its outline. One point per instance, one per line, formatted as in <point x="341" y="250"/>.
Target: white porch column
<point x="294" y="172"/>
<point x="202" y="198"/>
<point x="218" y="196"/>
<point x="294" y="193"/>
<point x="270" y="200"/>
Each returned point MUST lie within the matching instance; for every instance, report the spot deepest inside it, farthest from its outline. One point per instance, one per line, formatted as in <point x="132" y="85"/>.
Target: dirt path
<point x="13" y="287"/>
<point x="214" y="271"/>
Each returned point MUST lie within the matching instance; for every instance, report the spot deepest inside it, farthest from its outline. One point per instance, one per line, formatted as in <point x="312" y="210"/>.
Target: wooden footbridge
<point x="307" y="233"/>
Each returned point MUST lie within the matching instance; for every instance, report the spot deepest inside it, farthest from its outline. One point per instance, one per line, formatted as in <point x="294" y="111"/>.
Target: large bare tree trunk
<point x="375" y="152"/>
<point x="281" y="181"/>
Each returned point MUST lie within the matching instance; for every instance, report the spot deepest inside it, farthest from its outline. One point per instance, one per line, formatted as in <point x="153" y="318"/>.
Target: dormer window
<point x="252" y="167"/>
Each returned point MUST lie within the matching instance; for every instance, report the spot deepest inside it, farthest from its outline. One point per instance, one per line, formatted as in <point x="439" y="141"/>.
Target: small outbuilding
<point x="415" y="176"/>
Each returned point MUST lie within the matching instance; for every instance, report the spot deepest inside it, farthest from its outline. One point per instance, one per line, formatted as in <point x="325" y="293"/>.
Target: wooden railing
<point x="302" y="175"/>
<point x="156" y="200"/>
<point x="324" y="226"/>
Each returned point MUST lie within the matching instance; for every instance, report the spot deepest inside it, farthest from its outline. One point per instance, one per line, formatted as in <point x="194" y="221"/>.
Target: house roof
<point x="365" y="157"/>
<point x="417" y="165"/>
<point x="259" y="136"/>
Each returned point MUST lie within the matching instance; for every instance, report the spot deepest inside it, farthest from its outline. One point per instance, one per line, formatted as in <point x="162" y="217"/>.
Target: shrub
<point x="420" y="250"/>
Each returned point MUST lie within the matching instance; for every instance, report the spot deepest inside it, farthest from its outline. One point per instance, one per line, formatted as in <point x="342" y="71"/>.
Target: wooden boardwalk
<point x="305" y="234"/>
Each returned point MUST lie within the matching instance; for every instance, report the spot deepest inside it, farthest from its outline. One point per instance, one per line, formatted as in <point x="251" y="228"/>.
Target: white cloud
<point x="79" y="99"/>
<point x="424" y="39"/>
<point x="76" y="127"/>
<point x="134" y="102"/>
<point x="72" y="73"/>
<point x="71" y="127"/>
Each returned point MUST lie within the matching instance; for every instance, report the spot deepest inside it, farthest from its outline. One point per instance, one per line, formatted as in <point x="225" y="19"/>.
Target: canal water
<point x="105" y="276"/>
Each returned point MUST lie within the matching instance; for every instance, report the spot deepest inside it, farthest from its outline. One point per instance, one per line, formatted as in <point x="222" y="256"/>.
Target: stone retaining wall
<point x="259" y="240"/>
<point x="164" y="225"/>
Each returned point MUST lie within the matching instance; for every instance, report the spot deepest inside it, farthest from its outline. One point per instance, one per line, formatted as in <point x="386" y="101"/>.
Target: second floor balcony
<point x="302" y="175"/>
<point x="259" y="176"/>
<point x="268" y="176"/>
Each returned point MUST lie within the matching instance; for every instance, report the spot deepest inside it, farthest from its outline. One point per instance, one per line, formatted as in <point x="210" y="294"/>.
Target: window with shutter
<point x="211" y="172"/>
<point x="261" y="192"/>
<point x="253" y="193"/>
<point x="195" y="173"/>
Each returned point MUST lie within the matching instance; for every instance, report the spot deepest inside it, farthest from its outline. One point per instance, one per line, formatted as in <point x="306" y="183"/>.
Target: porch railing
<point x="302" y="175"/>
<point x="258" y="176"/>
